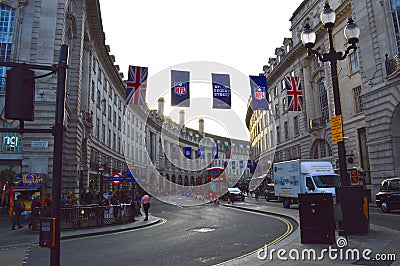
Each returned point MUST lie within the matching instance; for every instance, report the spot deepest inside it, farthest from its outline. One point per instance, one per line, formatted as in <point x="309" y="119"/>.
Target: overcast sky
<point x="160" y="34"/>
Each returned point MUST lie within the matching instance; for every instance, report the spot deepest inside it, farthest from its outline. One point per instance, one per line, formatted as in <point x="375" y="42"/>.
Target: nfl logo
<point x="259" y="93"/>
<point x="187" y="153"/>
<point x="179" y="89"/>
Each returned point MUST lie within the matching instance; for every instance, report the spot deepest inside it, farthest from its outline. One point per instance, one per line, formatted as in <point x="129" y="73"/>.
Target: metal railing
<point x="88" y="216"/>
<point x="318" y="123"/>
<point x="391" y="64"/>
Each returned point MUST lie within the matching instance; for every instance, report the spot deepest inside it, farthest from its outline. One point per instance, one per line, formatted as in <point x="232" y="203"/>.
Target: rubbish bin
<point x="355" y="209"/>
<point x="317" y="225"/>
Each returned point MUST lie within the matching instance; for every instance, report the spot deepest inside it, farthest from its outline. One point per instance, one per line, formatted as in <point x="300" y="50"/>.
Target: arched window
<point x="320" y="149"/>
<point x="323" y="99"/>
<point x="7" y="17"/>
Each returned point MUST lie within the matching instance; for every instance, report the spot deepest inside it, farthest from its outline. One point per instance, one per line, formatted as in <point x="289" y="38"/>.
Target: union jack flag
<point x="294" y="93"/>
<point x="136" y="85"/>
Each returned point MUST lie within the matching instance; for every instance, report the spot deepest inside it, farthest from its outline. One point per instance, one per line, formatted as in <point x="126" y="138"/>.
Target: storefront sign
<point x="29" y="180"/>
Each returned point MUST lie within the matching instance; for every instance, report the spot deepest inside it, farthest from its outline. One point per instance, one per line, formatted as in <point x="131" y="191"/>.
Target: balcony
<point x="318" y="123"/>
<point x="391" y="64"/>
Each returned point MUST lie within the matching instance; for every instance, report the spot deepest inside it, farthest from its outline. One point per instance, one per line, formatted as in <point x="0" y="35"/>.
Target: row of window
<point x="7" y="18"/>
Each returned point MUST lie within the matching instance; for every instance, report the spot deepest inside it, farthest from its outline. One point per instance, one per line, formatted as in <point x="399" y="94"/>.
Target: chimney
<point x="181" y="119"/>
<point x="161" y="106"/>
<point x="201" y="127"/>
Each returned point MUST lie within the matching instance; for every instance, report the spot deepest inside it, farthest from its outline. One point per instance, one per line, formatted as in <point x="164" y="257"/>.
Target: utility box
<point x="355" y="209"/>
<point x="47" y="236"/>
<point x="317" y="225"/>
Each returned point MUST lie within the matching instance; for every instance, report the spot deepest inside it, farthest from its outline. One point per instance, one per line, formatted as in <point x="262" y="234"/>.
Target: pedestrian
<point x="146" y="206"/>
<point x="34" y="211"/>
<point x="18" y="209"/>
<point x="138" y="200"/>
<point x="47" y="202"/>
<point x="362" y="183"/>
<point x="114" y="201"/>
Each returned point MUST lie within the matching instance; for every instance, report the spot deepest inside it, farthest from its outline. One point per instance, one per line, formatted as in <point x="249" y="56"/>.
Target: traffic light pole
<point x="58" y="145"/>
<point x="58" y="133"/>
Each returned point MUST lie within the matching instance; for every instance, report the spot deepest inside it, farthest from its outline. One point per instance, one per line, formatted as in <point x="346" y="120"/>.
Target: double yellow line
<point x="289" y="230"/>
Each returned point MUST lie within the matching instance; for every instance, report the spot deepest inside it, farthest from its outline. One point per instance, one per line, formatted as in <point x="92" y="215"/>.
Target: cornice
<point x="97" y="38"/>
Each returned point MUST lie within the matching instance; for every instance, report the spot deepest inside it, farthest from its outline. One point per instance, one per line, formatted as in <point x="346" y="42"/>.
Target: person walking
<point x="146" y="206"/>
<point x="138" y="200"/>
<point x="18" y="209"/>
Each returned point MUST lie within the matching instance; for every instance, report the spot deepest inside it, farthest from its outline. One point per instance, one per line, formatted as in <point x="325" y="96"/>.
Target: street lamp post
<point x="101" y="171"/>
<point x="351" y="33"/>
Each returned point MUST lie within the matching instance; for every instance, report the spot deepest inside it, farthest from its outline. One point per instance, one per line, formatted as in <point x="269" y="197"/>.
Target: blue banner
<point x="180" y="95"/>
<point x="248" y="163"/>
<point x="240" y="164"/>
<point x="259" y="93"/>
<point x="215" y="152"/>
<point x="188" y="152"/>
<point x="221" y="91"/>
<point x="201" y="152"/>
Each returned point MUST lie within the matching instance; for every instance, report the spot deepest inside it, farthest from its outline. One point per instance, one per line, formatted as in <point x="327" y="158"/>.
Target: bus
<point x="216" y="176"/>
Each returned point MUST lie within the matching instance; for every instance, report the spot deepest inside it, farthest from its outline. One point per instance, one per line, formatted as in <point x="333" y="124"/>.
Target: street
<point x="202" y="235"/>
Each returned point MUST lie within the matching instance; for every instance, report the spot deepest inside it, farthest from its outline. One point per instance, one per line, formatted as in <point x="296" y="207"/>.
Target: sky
<point x="234" y="37"/>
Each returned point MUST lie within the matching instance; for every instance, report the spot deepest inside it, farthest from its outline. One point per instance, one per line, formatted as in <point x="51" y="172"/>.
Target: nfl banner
<point x="188" y="152"/>
<point x="240" y="164"/>
<point x="233" y="164"/>
<point x="180" y="88"/>
<point x="201" y="152"/>
<point x="136" y="85"/>
<point x="294" y="93"/>
<point x="221" y="91"/>
<point x="215" y="152"/>
<point x="248" y="163"/>
<point x="259" y="93"/>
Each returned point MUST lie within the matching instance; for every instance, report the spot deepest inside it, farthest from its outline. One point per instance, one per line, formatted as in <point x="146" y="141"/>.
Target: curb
<point x="104" y="232"/>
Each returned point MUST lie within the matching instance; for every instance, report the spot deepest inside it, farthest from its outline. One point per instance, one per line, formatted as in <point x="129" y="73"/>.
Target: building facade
<point x="368" y="84"/>
<point x="102" y="134"/>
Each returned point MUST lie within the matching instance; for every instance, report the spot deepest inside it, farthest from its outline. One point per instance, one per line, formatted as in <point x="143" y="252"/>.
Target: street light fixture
<point x="351" y="33"/>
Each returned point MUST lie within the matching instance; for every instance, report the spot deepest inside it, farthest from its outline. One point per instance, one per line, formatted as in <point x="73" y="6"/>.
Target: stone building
<point x="285" y="135"/>
<point x="102" y="135"/>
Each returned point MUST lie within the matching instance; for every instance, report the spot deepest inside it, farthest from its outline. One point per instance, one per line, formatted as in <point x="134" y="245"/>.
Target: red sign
<point x="117" y="178"/>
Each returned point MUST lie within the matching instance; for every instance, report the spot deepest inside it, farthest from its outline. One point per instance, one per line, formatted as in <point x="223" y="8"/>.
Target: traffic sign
<point x="337" y="128"/>
<point x="116" y="178"/>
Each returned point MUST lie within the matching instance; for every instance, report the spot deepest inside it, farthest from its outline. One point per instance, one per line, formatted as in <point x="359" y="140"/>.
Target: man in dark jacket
<point x="18" y="208"/>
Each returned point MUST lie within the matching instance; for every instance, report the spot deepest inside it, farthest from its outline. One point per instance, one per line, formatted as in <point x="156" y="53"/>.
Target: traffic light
<point x="20" y="93"/>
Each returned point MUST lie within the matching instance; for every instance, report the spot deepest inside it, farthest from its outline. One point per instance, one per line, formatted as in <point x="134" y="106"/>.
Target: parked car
<point x="388" y="197"/>
<point x="269" y="193"/>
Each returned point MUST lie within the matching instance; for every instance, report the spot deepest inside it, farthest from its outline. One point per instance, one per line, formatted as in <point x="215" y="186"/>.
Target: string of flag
<point x="180" y="90"/>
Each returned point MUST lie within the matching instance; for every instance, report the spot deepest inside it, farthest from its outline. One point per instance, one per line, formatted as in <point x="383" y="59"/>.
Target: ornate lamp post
<point x="351" y="33"/>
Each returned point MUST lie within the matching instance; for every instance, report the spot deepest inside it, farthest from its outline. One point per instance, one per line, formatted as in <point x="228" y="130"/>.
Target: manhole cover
<point x="203" y="230"/>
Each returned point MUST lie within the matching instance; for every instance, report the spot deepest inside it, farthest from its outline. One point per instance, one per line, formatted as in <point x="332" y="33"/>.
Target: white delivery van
<point x="303" y="176"/>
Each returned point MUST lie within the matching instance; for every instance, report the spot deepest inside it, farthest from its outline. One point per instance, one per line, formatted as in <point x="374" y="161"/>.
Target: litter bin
<point x="355" y="209"/>
<point x="317" y="225"/>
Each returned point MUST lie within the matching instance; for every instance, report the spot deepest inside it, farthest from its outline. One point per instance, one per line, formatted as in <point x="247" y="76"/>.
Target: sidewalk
<point x="380" y="240"/>
<point x="25" y="236"/>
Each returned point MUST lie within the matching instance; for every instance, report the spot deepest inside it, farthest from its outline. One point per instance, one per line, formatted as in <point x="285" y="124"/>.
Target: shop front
<point x="29" y="186"/>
